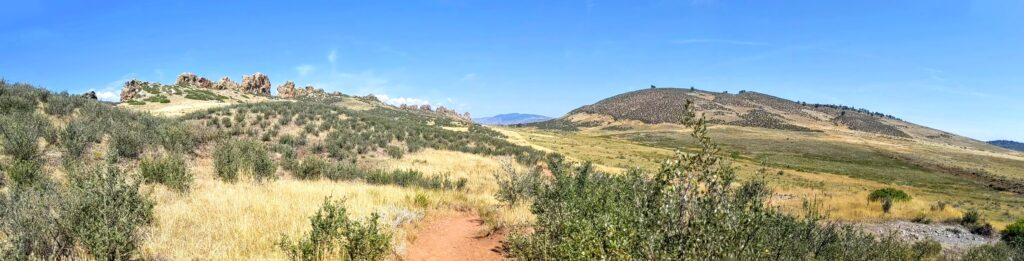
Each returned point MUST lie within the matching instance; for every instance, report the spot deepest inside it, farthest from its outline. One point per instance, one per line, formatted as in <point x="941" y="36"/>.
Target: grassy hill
<point x="829" y="152"/>
<point x="227" y="182"/>
<point x="752" y="109"/>
<point x="254" y="178"/>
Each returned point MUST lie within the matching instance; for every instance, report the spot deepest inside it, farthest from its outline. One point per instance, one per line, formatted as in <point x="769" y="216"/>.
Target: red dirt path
<point x="454" y="237"/>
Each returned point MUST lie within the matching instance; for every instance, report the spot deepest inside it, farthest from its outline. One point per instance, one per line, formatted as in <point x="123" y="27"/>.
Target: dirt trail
<point x="454" y="237"/>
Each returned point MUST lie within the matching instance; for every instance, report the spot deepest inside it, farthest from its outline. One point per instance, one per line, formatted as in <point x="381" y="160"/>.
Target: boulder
<point x="226" y="84"/>
<point x="310" y="91"/>
<point x="190" y="79"/>
<point x="89" y="95"/>
<point x="287" y="90"/>
<point x="132" y="90"/>
<point x="257" y="83"/>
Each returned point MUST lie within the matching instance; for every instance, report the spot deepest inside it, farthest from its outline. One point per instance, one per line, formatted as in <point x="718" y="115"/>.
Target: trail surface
<point x="454" y="237"/>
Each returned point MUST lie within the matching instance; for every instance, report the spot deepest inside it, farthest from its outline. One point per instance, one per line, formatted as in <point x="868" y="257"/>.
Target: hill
<point x="511" y="119"/>
<point x="1008" y="144"/>
<point x="750" y="109"/>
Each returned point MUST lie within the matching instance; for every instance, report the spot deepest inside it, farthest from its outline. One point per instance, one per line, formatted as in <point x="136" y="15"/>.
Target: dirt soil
<point x="455" y="236"/>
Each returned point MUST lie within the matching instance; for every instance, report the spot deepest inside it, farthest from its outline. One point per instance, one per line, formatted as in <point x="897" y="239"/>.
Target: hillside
<point x="751" y="109"/>
<point x="835" y="150"/>
<point x="1008" y="144"/>
<point x="230" y="180"/>
<point x="511" y="119"/>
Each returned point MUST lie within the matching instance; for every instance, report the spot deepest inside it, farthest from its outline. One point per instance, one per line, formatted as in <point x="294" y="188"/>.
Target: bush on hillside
<point x="24" y="173"/>
<point x="243" y="156"/>
<point x="888" y="197"/>
<point x="515" y="187"/>
<point x="334" y="236"/>
<point x="20" y="134"/>
<point x="34" y="223"/>
<point x="1014" y="234"/>
<point x="108" y="213"/>
<point x="688" y="210"/>
<point x="167" y="170"/>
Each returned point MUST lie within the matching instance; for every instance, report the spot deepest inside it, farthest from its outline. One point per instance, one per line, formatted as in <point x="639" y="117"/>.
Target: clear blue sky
<point x="953" y="65"/>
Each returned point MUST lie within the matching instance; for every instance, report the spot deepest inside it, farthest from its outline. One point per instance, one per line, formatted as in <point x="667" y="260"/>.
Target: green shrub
<point x="394" y="152"/>
<point x="334" y="236"/>
<point x="175" y="137"/>
<point x="61" y="105"/>
<point x="108" y="213"/>
<point x="926" y="249"/>
<point x="136" y="103"/>
<point x="970" y="217"/>
<point x="311" y="167"/>
<point x="888" y="197"/>
<point x="24" y="172"/>
<point x="20" y="133"/>
<point x="75" y="139"/>
<point x="242" y="156"/>
<point x="167" y="170"/>
<point x="127" y="142"/>
<point x="688" y="210"/>
<point x="515" y="187"/>
<point x="1014" y="234"/>
<point x="998" y="251"/>
<point x="203" y="95"/>
<point x="34" y="224"/>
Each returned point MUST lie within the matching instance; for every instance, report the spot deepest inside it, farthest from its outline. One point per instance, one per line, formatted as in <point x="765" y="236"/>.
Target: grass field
<point x="834" y="170"/>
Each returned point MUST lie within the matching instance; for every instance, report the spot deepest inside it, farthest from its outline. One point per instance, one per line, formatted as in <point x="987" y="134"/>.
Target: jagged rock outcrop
<point x="310" y="91"/>
<point x="90" y="95"/>
<point x="257" y="83"/>
<point x="441" y="110"/>
<point x="226" y="84"/>
<point x="132" y="90"/>
<point x="425" y="107"/>
<point x="287" y="90"/>
<point x="190" y="79"/>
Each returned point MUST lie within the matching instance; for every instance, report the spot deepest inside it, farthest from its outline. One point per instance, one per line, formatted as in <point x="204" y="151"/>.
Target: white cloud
<point x="108" y="96"/>
<point x="718" y="41"/>
<point x="468" y="77"/>
<point x="305" y="69"/>
<point x="332" y="56"/>
<point x="401" y="100"/>
<point x="112" y="90"/>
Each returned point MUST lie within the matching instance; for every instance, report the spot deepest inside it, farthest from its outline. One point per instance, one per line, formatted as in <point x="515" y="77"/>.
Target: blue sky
<point x="952" y="65"/>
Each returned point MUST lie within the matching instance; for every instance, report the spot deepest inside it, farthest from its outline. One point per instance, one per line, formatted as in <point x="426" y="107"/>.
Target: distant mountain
<point x="511" y="118"/>
<point x="1009" y="144"/>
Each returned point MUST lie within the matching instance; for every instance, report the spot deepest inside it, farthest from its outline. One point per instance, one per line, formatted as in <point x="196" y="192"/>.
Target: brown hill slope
<point x="752" y="109"/>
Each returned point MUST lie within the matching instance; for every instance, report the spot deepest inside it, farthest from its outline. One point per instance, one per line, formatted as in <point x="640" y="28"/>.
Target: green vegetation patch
<point x="203" y="95"/>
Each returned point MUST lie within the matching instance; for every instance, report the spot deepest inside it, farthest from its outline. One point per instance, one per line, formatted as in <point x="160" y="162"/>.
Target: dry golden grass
<point x="244" y="220"/>
<point x="179" y="105"/>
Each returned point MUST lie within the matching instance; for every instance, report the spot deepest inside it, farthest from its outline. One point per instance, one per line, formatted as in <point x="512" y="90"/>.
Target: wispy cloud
<point x="468" y="77"/>
<point x="401" y="100"/>
<point x="305" y="69"/>
<point x="718" y="41"/>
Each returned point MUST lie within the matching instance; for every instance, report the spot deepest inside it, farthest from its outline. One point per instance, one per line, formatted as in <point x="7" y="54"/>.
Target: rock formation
<point x="226" y="84"/>
<point x="190" y="79"/>
<point x="257" y="83"/>
<point x="310" y="91"/>
<point x="132" y="90"/>
<point x="287" y="90"/>
<point x="89" y="95"/>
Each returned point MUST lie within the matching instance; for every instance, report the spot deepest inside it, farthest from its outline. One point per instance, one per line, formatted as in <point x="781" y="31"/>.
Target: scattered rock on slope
<point x="287" y="90"/>
<point x="226" y="84"/>
<point x="257" y="83"/>
<point x="132" y="90"/>
<point x="190" y="79"/>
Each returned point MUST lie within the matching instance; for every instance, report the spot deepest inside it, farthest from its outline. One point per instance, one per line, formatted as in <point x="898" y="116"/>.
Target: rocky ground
<point x="954" y="238"/>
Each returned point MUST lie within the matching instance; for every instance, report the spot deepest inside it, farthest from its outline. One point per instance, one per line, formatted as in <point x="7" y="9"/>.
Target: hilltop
<point x="750" y="109"/>
<point x="511" y="119"/>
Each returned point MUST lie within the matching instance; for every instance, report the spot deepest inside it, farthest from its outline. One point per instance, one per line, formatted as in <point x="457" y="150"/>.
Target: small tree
<point x="888" y="196"/>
